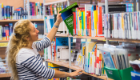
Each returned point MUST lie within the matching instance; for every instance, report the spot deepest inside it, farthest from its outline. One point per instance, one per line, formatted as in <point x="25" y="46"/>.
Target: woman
<point x="23" y="58"/>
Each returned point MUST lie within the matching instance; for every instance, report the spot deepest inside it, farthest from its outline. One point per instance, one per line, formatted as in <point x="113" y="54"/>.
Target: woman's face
<point x="33" y="33"/>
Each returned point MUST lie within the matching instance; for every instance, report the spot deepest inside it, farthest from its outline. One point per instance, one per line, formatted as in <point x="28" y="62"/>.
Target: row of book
<point x="89" y="20"/>
<point x="54" y="8"/>
<point x="118" y="57"/>
<point x="9" y="13"/>
<point x="7" y="30"/>
<point x="35" y="10"/>
<point x="122" y="25"/>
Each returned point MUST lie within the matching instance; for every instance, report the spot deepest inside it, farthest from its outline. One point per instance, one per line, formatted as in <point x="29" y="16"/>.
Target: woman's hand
<point x="59" y="18"/>
<point x="76" y="73"/>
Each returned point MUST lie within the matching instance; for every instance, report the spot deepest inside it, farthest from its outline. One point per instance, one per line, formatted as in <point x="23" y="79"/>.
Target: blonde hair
<point x="16" y="42"/>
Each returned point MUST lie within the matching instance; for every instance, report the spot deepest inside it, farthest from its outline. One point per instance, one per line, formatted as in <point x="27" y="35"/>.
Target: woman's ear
<point x="27" y="38"/>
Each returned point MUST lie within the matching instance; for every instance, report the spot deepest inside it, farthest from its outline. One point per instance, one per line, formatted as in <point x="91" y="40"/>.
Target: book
<point x="67" y="16"/>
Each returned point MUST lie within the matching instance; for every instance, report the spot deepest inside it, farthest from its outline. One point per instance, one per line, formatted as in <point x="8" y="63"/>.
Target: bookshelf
<point x="54" y="1"/>
<point x="82" y="37"/>
<point x="64" y="64"/>
<point x="17" y="20"/>
<point x="124" y="40"/>
<point x="8" y="40"/>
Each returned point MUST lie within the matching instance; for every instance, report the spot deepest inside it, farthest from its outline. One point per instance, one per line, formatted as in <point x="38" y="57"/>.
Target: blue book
<point x="62" y="41"/>
<point x="135" y="75"/>
<point x="108" y="59"/>
<point x="10" y="29"/>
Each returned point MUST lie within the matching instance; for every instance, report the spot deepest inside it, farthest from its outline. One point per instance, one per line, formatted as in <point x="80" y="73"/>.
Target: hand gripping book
<point x="67" y="16"/>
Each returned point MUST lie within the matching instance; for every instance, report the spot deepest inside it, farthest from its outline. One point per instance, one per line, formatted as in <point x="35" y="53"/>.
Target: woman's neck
<point x="30" y="45"/>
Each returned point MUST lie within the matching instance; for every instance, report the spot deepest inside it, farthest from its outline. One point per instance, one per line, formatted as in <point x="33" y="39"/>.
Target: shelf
<point x="5" y="75"/>
<point x="124" y="40"/>
<point x="4" y="41"/>
<point x="64" y="64"/>
<point x="8" y="40"/>
<point x="53" y="2"/>
<point x="88" y="37"/>
<point x="17" y="20"/>
<point x="83" y="37"/>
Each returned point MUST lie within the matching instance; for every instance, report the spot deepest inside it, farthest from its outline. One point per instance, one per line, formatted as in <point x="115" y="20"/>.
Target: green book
<point x="67" y="16"/>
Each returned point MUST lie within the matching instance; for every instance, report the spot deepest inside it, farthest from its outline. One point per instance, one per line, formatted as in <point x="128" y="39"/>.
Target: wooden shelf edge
<point x="75" y="68"/>
<point x="17" y="20"/>
<point x="83" y="37"/>
<point x="4" y="40"/>
<point x="8" y="40"/>
<point x="123" y="40"/>
<point x="5" y="75"/>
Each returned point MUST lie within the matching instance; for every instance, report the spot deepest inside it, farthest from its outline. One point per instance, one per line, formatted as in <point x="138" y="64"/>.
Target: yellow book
<point x="79" y="23"/>
<point x="83" y="52"/>
<point x="95" y="22"/>
<point x="80" y="18"/>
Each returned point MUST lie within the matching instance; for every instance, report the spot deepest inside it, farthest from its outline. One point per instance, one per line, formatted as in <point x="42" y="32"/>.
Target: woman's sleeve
<point x="41" y="45"/>
<point x="38" y="68"/>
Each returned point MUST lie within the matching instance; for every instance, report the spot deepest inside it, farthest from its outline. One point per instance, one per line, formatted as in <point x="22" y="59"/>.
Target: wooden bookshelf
<point x="88" y="37"/>
<point x="5" y="75"/>
<point x="65" y="64"/>
<point x="82" y="37"/>
<point x="17" y="20"/>
<point x="3" y="41"/>
<point x="8" y="40"/>
<point x="48" y="2"/>
<point x="124" y="40"/>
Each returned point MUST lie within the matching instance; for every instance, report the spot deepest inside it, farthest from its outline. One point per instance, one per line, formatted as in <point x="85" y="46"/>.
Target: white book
<point x="93" y="62"/>
<point x="132" y="27"/>
<point x="120" y="25"/>
<point x="135" y="26"/>
<point x="123" y="26"/>
<point x="87" y="8"/>
<point x="49" y="53"/>
<point x="138" y="25"/>
<point x="115" y="26"/>
<point x="129" y="26"/>
<point x="97" y="64"/>
<point x="108" y="28"/>
<point x="105" y="25"/>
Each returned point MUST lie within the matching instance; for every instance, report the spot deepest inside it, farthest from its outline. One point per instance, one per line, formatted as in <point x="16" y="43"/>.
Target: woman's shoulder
<point x="24" y="54"/>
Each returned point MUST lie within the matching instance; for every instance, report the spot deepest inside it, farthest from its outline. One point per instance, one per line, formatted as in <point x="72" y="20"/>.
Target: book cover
<point x="67" y="16"/>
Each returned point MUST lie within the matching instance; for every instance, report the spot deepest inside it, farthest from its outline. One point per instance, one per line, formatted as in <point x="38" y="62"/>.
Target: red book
<point x="100" y="29"/>
<point x="88" y="15"/>
<point x="55" y="50"/>
<point x="89" y="25"/>
<point x="74" y="22"/>
<point x="51" y="9"/>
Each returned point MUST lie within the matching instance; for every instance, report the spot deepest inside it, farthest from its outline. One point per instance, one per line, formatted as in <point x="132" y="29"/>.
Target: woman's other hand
<point x="76" y="73"/>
